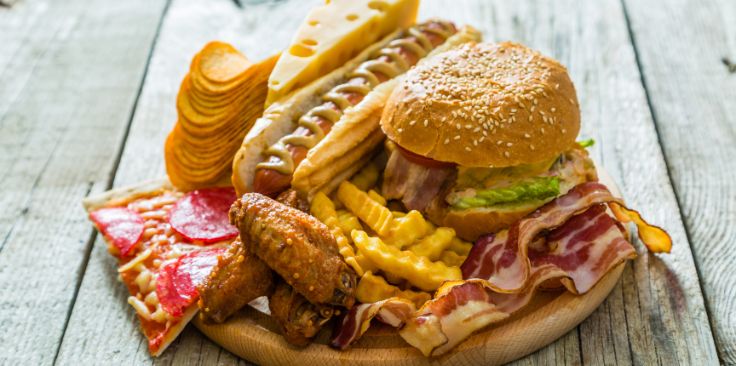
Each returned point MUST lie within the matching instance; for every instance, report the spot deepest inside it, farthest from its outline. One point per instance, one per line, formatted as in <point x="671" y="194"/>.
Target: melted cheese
<point x="331" y="35"/>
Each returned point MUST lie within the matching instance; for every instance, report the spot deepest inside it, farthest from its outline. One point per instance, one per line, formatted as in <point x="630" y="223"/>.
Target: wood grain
<point x="70" y="75"/>
<point x="684" y="49"/>
<point x="258" y="30"/>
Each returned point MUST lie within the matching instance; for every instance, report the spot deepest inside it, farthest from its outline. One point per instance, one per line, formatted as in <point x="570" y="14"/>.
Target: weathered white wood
<point x="258" y="31"/>
<point x="657" y="314"/>
<point x="70" y="75"/>
<point x="681" y="48"/>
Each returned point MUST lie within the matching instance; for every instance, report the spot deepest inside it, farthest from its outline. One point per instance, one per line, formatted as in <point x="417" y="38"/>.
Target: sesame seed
<point x="426" y="122"/>
<point x="467" y="148"/>
<point x="447" y="141"/>
<point x="506" y="154"/>
<point x="527" y="135"/>
<point x="553" y="109"/>
<point x="412" y="123"/>
<point x="499" y="142"/>
<point x="457" y="137"/>
<point x="400" y="130"/>
<point x="509" y="144"/>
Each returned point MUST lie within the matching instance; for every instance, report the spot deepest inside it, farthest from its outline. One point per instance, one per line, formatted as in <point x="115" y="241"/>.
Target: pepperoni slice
<point x="176" y="284"/>
<point x="121" y="226"/>
<point x="201" y="215"/>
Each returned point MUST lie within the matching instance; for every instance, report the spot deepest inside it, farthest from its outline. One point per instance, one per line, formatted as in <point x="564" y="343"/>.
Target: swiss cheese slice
<point x="332" y="34"/>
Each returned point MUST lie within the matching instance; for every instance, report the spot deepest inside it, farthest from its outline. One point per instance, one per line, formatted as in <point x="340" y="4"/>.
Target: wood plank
<point x="656" y="315"/>
<point x="257" y="30"/>
<point x="684" y="49"/>
<point x="71" y="72"/>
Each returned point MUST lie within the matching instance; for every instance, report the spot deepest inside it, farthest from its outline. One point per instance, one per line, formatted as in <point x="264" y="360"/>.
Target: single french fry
<point x="460" y="247"/>
<point x="452" y="259"/>
<point x="432" y="245"/>
<point x="367" y="177"/>
<point x="372" y="213"/>
<point x="372" y="288"/>
<point x="407" y="229"/>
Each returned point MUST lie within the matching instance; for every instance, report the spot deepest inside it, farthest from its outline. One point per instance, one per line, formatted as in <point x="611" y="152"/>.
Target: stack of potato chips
<point x="218" y="102"/>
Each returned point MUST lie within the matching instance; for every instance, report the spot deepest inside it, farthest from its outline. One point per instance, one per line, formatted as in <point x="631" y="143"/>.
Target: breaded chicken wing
<point x="299" y="319"/>
<point x="297" y="246"/>
<point x="238" y="278"/>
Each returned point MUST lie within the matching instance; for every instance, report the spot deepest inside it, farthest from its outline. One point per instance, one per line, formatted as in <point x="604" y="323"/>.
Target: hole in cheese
<point x="309" y="42"/>
<point x="299" y="50"/>
<point x="378" y="5"/>
<point x="351" y="17"/>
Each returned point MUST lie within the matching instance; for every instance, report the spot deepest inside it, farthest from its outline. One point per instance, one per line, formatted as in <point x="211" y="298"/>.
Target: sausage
<point x="273" y="174"/>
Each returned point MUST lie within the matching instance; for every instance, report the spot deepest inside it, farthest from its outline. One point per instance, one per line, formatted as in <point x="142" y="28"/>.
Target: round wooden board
<point x="254" y="336"/>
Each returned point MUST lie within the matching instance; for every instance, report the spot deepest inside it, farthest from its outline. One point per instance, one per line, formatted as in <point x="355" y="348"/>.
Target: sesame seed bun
<point x="485" y="105"/>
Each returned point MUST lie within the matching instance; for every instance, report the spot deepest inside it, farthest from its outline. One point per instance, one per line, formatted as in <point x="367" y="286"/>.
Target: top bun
<point x="485" y="105"/>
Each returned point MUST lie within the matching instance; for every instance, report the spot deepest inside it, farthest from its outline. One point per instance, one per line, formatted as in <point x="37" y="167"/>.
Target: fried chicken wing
<point x="297" y="246"/>
<point x="238" y="278"/>
<point x="299" y="319"/>
<point x="290" y="198"/>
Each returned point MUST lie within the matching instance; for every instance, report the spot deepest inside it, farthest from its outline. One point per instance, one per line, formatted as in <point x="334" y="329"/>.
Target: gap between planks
<point x="93" y="233"/>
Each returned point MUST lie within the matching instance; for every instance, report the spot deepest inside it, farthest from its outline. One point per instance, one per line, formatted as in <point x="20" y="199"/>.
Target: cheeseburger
<point x="482" y="135"/>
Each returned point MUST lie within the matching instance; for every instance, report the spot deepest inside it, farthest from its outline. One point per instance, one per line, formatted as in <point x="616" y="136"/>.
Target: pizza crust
<point x="125" y="194"/>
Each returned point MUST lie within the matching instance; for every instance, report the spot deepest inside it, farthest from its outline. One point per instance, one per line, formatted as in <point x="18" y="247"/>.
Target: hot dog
<point x="290" y="130"/>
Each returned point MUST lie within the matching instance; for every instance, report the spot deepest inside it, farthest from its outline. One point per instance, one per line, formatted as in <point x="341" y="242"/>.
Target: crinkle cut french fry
<point x="348" y="222"/>
<point x="419" y="271"/>
<point x="407" y="229"/>
<point x="367" y="177"/>
<point x="432" y="245"/>
<point x="364" y="263"/>
<point x="324" y="210"/>
<point x="460" y="247"/>
<point x="372" y="288"/>
<point x="377" y="197"/>
<point x="373" y="214"/>
<point x="451" y="258"/>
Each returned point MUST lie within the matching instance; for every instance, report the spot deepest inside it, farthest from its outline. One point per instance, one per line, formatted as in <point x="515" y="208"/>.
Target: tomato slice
<point x="423" y="160"/>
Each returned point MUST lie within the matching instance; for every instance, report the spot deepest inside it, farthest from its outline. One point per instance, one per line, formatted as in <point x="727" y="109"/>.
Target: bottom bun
<point x="471" y="223"/>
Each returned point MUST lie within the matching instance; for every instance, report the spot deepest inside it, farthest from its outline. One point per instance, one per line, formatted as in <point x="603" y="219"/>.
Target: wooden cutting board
<point x="252" y="335"/>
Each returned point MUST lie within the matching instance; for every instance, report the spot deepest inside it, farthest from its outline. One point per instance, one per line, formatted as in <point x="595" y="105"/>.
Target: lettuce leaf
<point x="528" y="190"/>
<point x="586" y="143"/>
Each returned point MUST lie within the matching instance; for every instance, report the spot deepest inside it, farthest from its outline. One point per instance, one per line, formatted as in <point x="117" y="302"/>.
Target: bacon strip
<point x="392" y="311"/>
<point x="503" y="259"/>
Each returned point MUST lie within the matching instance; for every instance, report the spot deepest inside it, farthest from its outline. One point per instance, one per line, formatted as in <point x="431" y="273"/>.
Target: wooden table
<point x="87" y="95"/>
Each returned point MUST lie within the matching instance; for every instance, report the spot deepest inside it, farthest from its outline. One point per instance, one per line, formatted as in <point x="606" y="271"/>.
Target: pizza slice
<point x="166" y="243"/>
